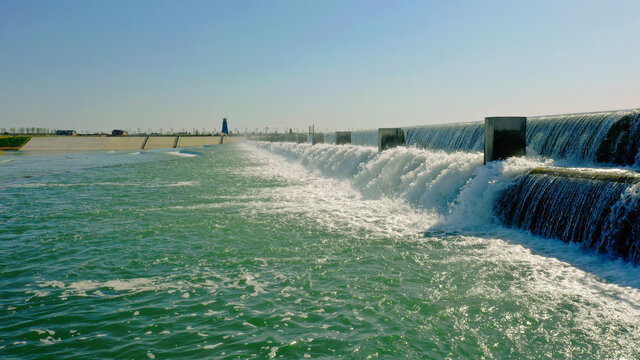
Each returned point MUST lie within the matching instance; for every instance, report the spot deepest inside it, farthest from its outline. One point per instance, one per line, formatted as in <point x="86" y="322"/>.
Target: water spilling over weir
<point x="454" y="137"/>
<point x="441" y="170"/>
<point x="604" y="137"/>
<point x="599" y="211"/>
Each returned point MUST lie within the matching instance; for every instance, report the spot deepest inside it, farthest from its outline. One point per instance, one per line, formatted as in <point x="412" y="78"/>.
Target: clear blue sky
<point x="99" y="65"/>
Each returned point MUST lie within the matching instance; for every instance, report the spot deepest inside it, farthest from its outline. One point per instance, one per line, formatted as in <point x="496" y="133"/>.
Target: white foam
<point x="84" y="285"/>
<point x="50" y="340"/>
<point x="52" y="284"/>
<point x="473" y="207"/>
<point x="80" y="288"/>
<point x="350" y="187"/>
<point x="450" y="188"/>
<point x="344" y="206"/>
<point x="183" y="154"/>
<point x="182" y="183"/>
<point x="131" y="284"/>
<point x="273" y="352"/>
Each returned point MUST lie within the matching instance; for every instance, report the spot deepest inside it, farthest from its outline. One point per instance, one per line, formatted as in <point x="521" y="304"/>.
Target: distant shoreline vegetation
<point x="13" y="142"/>
<point x="34" y="131"/>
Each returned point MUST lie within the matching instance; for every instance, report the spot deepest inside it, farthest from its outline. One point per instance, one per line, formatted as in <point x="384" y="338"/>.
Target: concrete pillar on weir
<point x="390" y="138"/>
<point x="343" y="137"/>
<point x="504" y="136"/>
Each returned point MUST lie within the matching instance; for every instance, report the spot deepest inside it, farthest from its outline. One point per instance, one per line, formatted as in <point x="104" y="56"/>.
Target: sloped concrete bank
<point x="101" y="143"/>
<point x="83" y="143"/>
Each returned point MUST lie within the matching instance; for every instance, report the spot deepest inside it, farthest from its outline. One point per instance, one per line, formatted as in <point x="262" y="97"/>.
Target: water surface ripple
<point x="235" y="252"/>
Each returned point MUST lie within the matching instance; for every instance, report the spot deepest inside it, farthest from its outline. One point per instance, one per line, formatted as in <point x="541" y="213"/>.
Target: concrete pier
<point x="504" y="136"/>
<point x="317" y="138"/>
<point x="390" y="138"/>
<point x="343" y="137"/>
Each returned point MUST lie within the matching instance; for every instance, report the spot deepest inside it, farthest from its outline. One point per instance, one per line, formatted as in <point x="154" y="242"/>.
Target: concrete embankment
<point x="189" y="141"/>
<point x="233" y="139"/>
<point x="101" y="143"/>
<point x="83" y="143"/>
<point x="160" y="142"/>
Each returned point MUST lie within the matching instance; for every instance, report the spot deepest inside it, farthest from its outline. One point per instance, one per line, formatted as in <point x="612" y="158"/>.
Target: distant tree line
<point x="49" y="131"/>
<point x="27" y="131"/>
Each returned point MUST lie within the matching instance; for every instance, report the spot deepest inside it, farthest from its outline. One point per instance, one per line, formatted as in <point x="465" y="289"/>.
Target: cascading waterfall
<point x="610" y="137"/>
<point x="364" y="137"/>
<point x="450" y="138"/>
<point x="598" y="210"/>
<point x="606" y="137"/>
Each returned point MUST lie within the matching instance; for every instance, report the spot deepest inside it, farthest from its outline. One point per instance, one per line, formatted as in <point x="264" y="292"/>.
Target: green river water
<point x="232" y="252"/>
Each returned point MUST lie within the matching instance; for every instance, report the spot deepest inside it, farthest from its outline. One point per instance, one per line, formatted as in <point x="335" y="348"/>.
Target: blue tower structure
<point x="225" y="129"/>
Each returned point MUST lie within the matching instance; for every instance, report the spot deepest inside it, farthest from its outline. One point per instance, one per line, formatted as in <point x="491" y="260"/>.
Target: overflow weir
<point x="611" y="137"/>
<point x="598" y="208"/>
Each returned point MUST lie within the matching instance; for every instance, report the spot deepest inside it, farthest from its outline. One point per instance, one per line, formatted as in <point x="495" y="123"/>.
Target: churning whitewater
<point x="272" y="250"/>
<point x="596" y="209"/>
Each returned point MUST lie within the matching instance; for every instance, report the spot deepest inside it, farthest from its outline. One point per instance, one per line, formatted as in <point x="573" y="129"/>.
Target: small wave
<point x="197" y="207"/>
<point x="39" y="185"/>
<point x="80" y="288"/>
<point x="183" y="153"/>
<point x="182" y="183"/>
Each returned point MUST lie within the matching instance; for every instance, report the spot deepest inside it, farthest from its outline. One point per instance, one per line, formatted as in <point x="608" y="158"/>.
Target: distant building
<point x="66" y="132"/>
<point x="117" y="132"/>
